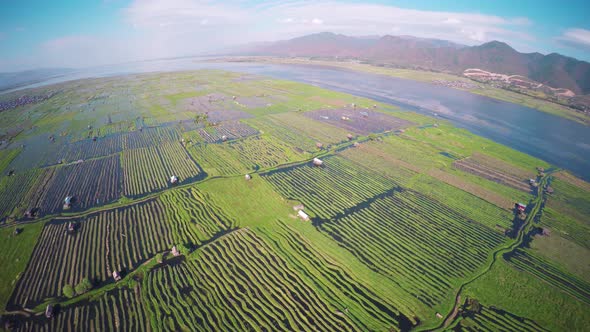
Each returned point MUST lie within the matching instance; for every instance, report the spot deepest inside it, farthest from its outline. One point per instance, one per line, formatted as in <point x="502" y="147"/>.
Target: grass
<point x="16" y="252"/>
<point x="524" y="295"/>
<point x="573" y="257"/>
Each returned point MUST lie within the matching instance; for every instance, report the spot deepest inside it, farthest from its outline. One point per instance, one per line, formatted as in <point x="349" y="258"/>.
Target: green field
<point x="411" y="228"/>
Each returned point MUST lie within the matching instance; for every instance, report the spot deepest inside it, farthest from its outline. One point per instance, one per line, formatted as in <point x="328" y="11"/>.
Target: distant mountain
<point x="553" y="69"/>
<point x="13" y="80"/>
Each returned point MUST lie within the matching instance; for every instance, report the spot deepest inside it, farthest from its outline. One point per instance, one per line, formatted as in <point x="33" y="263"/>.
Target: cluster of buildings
<point x="22" y="101"/>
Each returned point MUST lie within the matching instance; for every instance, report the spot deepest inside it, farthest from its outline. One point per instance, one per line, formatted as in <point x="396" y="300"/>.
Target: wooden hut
<point x="175" y="251"/>
<point x="317" y="162"/>
<point x="49" y="311"/>
<point x="173" y="179"/>
<point x="303" y="215"/>
<point x="116" y="276"/>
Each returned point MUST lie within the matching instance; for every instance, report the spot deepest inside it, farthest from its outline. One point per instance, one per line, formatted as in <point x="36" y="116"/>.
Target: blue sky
<point x="67" y="33"/>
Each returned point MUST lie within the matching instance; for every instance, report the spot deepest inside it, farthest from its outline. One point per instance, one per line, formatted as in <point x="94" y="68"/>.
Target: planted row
<point x="330" y="190"/>
<point x="90" y="183"/>
<point x="120" y="310"/>
<point x="421" y="244"/>
<point x="237" y="283"/>
<point x="149" y="169"/>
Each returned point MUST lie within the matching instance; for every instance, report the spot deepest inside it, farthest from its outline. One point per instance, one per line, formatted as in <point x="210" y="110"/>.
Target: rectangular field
<point x="230" y="129"/>
<point x="90" y="183"/>
<point x="481" y="167"/>
<point x="360" y="121"/>
<point x="149" y="169"/>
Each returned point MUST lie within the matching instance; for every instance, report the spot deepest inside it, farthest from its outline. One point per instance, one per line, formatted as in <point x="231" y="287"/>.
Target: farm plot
<point x="118" y="239"/>
<point x="193" y="217"/>
<point x="14" y="189"/>
<point x="567" y="226"/>
<point x="218" y="107"/>
<point x="216" y="159"/>
<point x="319" y="132"/>
<point x="290" y="136"/>
<point x="490" y="319"/>
<point x="89" y="148"/>
<point x="360" y="121"/>
<point x="258" y="152"/>
<point x="150" y="137"/>
<point x="547" y="271"/>
<point x="332" y="190"/>
<point x="91" y="183"/>
<point x="237" y="283"/>
<point x="149" y="169"/>
<point x="370" y="311"/>
<point x="121" y="310"/>
<point x="570" y="199"/>
<point x="419" y="243"/>
<point x="477" y="166"/>
<point x="228" y="130"/>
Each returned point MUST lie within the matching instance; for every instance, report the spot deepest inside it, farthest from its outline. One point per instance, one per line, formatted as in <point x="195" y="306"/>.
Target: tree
<point x="84" y="286"/>
<point x="184" y="248"/>
<point x="159" y="258"/>
<point x="68" y="291"/>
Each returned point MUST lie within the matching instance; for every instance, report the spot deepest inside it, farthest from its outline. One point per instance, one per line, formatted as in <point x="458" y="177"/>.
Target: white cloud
<point x="162" y="28"/>
<point x="576" y="38"/>
<point x="452" y="20"/>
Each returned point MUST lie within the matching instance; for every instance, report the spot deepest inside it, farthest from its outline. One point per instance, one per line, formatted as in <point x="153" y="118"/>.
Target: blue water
<point x="559" y="141"/>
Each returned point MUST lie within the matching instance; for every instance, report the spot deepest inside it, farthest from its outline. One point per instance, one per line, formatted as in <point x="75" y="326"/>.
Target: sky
<point x="83" y="33"/>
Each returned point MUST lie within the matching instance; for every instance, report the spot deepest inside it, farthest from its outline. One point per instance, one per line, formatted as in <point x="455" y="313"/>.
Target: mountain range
<point x="554" y="69"/>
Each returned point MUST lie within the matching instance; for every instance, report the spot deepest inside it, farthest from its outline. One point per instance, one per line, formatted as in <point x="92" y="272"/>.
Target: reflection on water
<point x="559" y="141"/>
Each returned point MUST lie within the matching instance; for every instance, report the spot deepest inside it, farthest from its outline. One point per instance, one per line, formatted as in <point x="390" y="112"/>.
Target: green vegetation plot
<point x="16" y="252"/>
<point x="524" y="295"/>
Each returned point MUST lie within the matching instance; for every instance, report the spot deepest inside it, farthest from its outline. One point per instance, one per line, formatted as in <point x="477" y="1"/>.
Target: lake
<point x="559" y="141"/>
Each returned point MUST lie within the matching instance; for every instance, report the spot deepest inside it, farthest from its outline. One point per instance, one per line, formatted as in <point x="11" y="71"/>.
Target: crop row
<point x="111" y="240"/>
<point x="330" y="190"/>
<point x="216" y="159"/>
<point x="567" y="226"/>
<point x="115" y="143"/>
<point x="368" y="309"/>
<point x="228" y="129"/>
<point x="416" y="241"/>
<point x="91" y="183"/>
<point x="491" y="320"/>
<point x="116" y="311"/>
<point x="258" y="152"/>
<point x="149" y="169"/>
<point x="570" y="199"/>
<point x="548" y="272"/>
<point x="472" y="166"/>
<point x="15" y="189"/>
<point x="291" y="136"/>
<point x="190" y="214"/>
<point x="237" y="283"/>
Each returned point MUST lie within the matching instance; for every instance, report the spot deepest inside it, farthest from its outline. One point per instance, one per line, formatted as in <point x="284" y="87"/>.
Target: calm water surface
<point x="560" y="141"/>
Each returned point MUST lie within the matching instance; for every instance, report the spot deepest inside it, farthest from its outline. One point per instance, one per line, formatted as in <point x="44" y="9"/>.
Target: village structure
<point x="303" y="215"/>
<point x="67" y="202"/>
